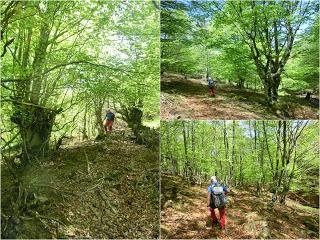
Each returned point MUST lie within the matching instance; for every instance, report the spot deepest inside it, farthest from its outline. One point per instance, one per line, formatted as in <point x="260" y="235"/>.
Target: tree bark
<point x="232" y="169"/>
<point x="98" y="105"/>
<point x="186" y="165"/>
<point x="35" y="125"/>
<point x="226" y="145"/>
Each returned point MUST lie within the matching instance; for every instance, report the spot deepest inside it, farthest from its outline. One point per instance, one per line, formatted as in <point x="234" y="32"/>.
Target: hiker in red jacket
<point x="217" y="199"/>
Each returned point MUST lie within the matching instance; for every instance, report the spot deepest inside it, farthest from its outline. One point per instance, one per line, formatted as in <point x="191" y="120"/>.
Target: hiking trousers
<point x="212" y="92"/>
<point x="222" y="213"/>
<point x="108" y="125"/>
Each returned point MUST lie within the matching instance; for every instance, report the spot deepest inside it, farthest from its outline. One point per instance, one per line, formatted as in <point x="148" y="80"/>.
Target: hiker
<point x="217" y="199"/>
<point x="212" y="87"/>
<point x="108" y="121"/>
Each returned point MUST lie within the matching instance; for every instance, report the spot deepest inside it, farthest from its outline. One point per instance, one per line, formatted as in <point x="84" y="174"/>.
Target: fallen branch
<point x="52" y="219"/>
<point x="60" y="191"/>
<point x="301" y="198"/>
<point x="105" y="199"/>
<point x="100" y="181"/>
<point x="95" y="212"/>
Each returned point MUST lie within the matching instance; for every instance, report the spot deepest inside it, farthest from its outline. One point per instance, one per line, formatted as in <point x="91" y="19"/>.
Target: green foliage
<point x="303" y="68"/>
<point x="240" y="41"/>
<point x="241" y="152"/>
<point x="82" y="57"/>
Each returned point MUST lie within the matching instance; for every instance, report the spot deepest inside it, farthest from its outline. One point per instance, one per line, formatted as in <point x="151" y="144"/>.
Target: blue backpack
<point x="110" y="116"/>
<point x="211" y="83"/>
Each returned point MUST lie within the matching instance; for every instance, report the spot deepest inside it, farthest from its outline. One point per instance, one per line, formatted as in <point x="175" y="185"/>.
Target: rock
<point x="168" y="204"/>
<point x="70" y="231"/>
<point x="265" y="232"/>
<point x="257" y="226"/>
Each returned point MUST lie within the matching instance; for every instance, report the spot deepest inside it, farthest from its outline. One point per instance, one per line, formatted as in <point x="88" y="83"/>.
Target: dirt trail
<point x="184" y="215"/>
<point x="105" y="189"/>
<point x="189" y="99"/>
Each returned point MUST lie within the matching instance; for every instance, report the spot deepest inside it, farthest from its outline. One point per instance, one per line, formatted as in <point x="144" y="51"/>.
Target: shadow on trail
<point x="184" y="87"/>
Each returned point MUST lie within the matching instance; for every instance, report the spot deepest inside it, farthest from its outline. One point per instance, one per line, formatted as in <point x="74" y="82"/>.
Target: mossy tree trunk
<point x="132" y="115"/>
<point x="35" y="125"/>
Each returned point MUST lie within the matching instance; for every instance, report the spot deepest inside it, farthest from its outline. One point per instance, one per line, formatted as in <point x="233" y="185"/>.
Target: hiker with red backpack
<point x="217" y="199"/>
<point x="212" y="87"/>
<point x="108" y="121"/>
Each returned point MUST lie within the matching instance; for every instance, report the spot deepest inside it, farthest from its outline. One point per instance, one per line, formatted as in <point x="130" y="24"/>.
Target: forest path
<point x="189" y="99"/>
<point x="104" y="189"/>
<point x="184" y="215"/>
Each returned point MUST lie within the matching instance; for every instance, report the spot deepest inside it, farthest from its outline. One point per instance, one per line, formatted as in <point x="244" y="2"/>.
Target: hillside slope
<point x="189" y="99"/>
<point x="184" y="215"/>
<point x="105" y="189"/>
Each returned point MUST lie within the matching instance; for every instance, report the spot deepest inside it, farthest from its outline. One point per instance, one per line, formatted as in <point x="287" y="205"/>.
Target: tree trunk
<point x="275" y="87"/>
<point x="169" y="151"/>
<point x="240" y="84"/>
<point x="192" y="165"/>
<point x="267" y="85"/>
<point x="232" y="169"/>
<point x="40" y="57"/>
<point x="98" y="102"/>
<point x="84" y="130"/>
<point x="241" y="177"/>
<point x="35" y="125"/>
<point x="186" y="165"/>
<point x="226" y="145"/>
<point x="132" y="115"/>
<point x="175" y="161"/>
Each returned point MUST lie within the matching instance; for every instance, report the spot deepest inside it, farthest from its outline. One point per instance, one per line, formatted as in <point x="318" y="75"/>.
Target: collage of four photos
<point x="159" y="119"/>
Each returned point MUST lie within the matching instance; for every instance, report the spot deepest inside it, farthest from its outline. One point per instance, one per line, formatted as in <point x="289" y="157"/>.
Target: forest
<point x="269" y="166"/>
<point x="262" y="55"/>
<point x="63" y="65"/>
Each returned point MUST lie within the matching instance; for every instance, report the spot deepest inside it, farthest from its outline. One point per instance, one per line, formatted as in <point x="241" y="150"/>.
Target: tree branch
<point x="89" y="63"/>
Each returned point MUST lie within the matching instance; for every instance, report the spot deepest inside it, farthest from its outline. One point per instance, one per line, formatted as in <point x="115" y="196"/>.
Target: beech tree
<point x="265" y="156"/>
<point x="269" y="28"/>
<point x="71" y="58"/>
<point x="255" y="44"/>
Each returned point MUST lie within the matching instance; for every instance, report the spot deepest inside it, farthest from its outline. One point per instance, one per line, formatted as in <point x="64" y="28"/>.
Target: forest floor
<point x="184" y="215"/>
<point x="190" y="99"/>
<point x="105" y="189"/>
